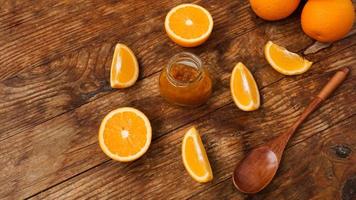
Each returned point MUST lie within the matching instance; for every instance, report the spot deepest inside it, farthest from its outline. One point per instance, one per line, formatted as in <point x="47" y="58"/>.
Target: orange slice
<point x="194" y="156"/>
<point x="284" y="61"/>
<point x="124" y="67"/>
<point x="188" y="25"/>
<point x="125" y="134"/>
<point x="244" y="89"/>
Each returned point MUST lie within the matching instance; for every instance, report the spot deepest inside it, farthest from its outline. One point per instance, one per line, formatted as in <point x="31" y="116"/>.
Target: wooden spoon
<point x="257" y="170"/>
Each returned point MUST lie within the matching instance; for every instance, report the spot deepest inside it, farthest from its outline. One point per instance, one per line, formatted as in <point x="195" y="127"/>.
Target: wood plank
<point x="286" y="109"/>
<point x="228" y="134"/>
<point x="75" y="132"/>
<point x="320" y="167"/>
<point x="42" y="156"/>
<point x="74" y="127"/>
<point x="46" y="34"/>
<point x="62" y="85"/>
<point x="51" y="90"/>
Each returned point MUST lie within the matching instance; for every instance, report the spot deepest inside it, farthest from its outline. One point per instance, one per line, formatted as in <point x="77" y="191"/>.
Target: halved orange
<point x="244" y="89"/>
<point x="188" y="25"/>
<point x="125" y="134"/>
<point x="194" y="157"/>
<point x="124" y="67"/>
<point x="284" y="61"/>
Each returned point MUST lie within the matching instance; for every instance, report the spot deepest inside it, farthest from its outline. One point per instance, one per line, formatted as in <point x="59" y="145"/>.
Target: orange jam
<point x="185" y="81"/>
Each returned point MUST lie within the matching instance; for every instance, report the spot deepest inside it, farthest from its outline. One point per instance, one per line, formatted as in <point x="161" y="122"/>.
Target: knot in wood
<point x="342" y="151"/>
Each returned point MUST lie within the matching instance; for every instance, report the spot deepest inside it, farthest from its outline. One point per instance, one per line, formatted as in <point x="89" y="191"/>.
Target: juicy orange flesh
<point x="285" y="59"/>
<point x="116" y="129"/>
<point x="244" y="87"/>
<point x="195" y="158"/>
<point x="189" y="22"/>
<point x="124" y="68"/>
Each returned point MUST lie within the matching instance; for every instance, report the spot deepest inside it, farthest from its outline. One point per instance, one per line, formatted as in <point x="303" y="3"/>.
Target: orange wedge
<point x="124" y="67"/>
<point x="125" y="134"/>
<point x="188" y="25"/>
<point x="284" y="61"/>
<point x="244" y="89"/>
<point x="194" y="157"/>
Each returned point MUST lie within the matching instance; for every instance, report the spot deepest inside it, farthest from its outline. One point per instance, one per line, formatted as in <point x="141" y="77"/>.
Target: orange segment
<point x="189" y="25"/>
<point x="244" y="89"/>
<point x="125" y="134"/>
<point x="195" y="159"/>
<point x="124" y="67"/>
<point x="284" y="61"/>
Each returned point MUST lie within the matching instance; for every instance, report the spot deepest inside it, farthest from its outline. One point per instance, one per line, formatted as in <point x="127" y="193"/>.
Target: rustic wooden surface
<point x="54" y="90"/>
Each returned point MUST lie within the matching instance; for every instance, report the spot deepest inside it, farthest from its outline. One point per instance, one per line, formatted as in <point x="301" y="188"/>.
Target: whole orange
<point x="274" y="9"/>
<point x="327" y="20"/>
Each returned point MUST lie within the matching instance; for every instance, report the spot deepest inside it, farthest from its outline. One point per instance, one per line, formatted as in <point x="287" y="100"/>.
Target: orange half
<point x="244" y="89"/>
<point x="188" y="25"/>
<point x="124" y="67"/>
<point x="125" y="134"/>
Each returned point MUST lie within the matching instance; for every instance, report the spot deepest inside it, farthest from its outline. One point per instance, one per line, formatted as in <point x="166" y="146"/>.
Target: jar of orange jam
<point x="185" y="81"/>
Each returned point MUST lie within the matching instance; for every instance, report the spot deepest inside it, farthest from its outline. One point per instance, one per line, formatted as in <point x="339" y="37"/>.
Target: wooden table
<point x="54" y="91"/>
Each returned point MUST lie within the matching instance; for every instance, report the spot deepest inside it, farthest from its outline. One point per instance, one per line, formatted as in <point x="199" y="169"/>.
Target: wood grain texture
<point x="227" y="137"/>
<point x="76" y="78"/>
<point x="77" y="131"/>
<point x="246" y="127"/>
<point x="320" y="167"/>
<point x="265" y="159"/>
<point x="54" y="90"/>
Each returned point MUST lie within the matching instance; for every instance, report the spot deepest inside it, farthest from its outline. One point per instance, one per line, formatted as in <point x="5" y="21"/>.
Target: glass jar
<point x="185" y="81"/>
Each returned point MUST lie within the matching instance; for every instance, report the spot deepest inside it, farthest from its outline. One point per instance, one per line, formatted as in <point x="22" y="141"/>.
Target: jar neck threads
<point x="184" y="69"/>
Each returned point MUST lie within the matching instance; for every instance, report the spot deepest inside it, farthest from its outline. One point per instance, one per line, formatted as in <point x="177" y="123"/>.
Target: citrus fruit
<point x="194" y="157"/>
<point x="244" y="89"/>
<point x="274" y="9"/>
<point x="284" y="61"/>
<point x="125" y="134"/>
<point x="326" y="20"/>
<point x="124" y="67"/>
<point x="188" y="25"/>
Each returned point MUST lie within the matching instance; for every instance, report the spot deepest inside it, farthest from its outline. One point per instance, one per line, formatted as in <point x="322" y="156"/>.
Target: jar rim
<point x="194" y="59"/>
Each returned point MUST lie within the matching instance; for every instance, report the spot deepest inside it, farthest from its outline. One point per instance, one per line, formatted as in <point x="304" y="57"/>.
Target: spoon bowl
<point x="261" y="164"/>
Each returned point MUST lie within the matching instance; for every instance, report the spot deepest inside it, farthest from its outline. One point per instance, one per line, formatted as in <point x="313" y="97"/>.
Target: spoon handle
<point x="333" y="83"/>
